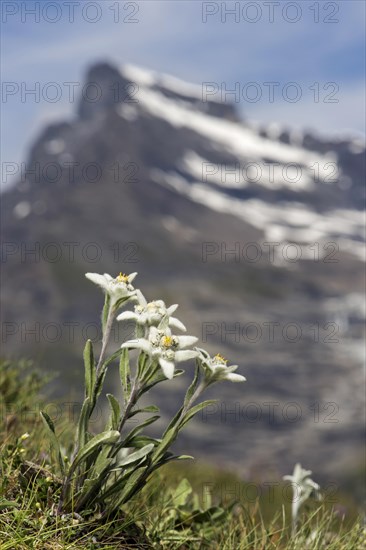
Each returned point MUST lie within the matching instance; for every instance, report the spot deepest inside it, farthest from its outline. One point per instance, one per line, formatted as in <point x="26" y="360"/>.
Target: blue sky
<point x="306" y="42"/>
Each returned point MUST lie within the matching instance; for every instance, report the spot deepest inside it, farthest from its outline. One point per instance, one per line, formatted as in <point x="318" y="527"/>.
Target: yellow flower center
<point x="122" y="278"/>
<point x="167" y="341"/>
<point x="220" y="359"/>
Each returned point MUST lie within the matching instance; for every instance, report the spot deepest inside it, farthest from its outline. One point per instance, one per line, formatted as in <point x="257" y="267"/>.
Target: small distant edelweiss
<point x="300" y="479"/>
<point x="165" y="347"/>
<point x="216" y="368"/>
<point x="118" y="288"/>
<point x="302" y="488"/>
<point x="152" y="313"/>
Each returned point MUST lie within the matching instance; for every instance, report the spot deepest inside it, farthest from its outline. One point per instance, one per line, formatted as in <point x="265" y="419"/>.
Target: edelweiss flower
<point x="152" y="313"/>
<point x="117" y="288"/>
<point x="302" y="487"/>
<point x="216" y="368"/>
<point x="165" y="347"/>
<point x="300" y="479"/>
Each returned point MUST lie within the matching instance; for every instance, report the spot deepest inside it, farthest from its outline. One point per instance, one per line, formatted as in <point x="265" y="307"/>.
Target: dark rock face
<point x="140" y="181"/>
<point x="105" y="87"/>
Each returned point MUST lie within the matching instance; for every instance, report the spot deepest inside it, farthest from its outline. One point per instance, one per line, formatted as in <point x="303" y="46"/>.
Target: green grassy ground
<point x="186" y="506"/>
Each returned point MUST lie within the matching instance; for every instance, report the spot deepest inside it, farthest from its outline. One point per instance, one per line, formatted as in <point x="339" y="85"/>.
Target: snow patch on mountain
<point x="230" y="136"/>
<point x="144" y="77"/>
<point x="239" y="176"/>
<point x="283" y="221"/>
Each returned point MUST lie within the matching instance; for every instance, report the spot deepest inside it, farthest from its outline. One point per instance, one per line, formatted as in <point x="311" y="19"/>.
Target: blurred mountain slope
<point x="148" y="177"/>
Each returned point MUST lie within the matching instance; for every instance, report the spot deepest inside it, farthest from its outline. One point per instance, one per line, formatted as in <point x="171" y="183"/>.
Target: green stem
<point x="161" y="450"/>
<point x="105" y="340"/>
<point x="131" y="402"/>
<point x="106" y="335"/>
<point x="149" y="373"/>
<point x="200" y="389"/>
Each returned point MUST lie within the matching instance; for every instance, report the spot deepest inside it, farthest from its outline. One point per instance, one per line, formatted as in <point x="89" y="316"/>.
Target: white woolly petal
<point x="127" y="315"/>
<point x="97" y="279"/>
<point x="142" y="318"/>
<point x="171" y="309"/>
<point x="184" y="355"/>
<point x="313" y="484"/>
<point x="141" y="298"/>
<point x="185" y="341"/>
<point x="174" y="322"/>
<point x="132" y="276"/>
<point x="108" y="277"/>
<point x="231" y="368"/>
<point x="297" y="473"/>
<point x="138" y="343"/>
<point x="235" y="377"/>
<point x="153" y="333"/>
<point x="167" y="367"/>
